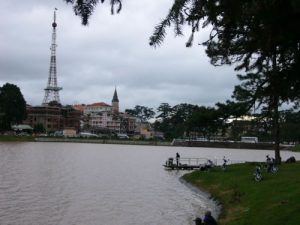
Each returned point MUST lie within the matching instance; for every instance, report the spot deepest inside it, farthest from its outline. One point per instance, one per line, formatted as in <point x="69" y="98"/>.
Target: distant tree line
<point x="222" y="121"/>
<point x="182" y="120"/>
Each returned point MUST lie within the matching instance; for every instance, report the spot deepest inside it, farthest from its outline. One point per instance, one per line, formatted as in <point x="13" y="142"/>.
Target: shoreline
<point x="217" y="206"/>
<point x="236" y="145"/>
<point x="102" y="141"/>
<point x="230" y="145"/>
<point x="241" y="199"/>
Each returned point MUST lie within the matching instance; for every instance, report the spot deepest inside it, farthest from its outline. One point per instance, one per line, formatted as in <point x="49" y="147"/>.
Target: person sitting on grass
<point x="208" y="219"/>
<point x="198" y="221"/>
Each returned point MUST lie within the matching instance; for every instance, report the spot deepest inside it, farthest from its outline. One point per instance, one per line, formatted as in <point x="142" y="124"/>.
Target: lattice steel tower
<point x="52" y="91"/>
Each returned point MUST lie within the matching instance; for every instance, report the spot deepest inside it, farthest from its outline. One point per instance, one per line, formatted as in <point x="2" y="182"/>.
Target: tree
<point x="12" y="106"/>
<point x="258" y="36"/>
<point x="230" y="110"/>
<point x="39" y="128"/>
<point x="164" y="110"/>
<point x="174" y="121"/>
<point x="206" y="121"/>
<point x="290" y="123"/>
<point x="142" y="112"/>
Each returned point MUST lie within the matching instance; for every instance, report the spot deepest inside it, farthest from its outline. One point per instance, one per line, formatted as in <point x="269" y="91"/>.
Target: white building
<point x="97" y="108"/>
<point x="102" y="115"/>
<point x="105" y="119"/>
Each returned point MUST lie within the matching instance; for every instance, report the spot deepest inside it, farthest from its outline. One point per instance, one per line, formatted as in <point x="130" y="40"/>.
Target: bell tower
<point x="115" y="103"/>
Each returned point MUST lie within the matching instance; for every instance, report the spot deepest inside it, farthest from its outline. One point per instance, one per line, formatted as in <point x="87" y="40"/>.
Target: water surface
<point x="89" y="184"/>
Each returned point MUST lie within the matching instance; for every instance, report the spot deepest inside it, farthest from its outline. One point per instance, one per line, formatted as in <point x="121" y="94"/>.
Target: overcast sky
<point x="111" y="51"/>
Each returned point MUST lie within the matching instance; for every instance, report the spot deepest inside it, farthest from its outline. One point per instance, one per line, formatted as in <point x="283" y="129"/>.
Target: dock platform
<point x="186" y="163"/>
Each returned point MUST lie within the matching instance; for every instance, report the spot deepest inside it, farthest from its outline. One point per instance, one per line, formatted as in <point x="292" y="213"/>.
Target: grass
<point x="273" y="201"/>
<point x="12" y="138"/>
<point x="296" y="148"/>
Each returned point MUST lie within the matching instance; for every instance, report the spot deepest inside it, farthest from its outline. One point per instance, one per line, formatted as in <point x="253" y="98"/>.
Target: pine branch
<point x="174" y="16"/>
<point x="159" y="33"/>
<point x="85" y="8"/>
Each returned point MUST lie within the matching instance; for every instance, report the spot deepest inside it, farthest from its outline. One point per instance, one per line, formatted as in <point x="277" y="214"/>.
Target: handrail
<point x="202" y="160"/>
<point x="192" y="161"/>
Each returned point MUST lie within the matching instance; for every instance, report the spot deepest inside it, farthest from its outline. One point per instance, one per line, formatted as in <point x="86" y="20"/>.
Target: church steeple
<point x="115" y="102"/>
<point x="115" y="97"/>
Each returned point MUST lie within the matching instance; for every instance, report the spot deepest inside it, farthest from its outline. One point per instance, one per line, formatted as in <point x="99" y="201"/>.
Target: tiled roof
<point x="99" y="104"/>
<point x="80" y="107"/>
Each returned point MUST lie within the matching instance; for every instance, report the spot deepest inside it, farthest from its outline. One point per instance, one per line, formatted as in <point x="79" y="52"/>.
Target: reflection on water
<point x="64" y="183"/>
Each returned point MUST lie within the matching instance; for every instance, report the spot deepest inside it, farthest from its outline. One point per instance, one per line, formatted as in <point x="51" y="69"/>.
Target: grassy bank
<point x="273" y="201"/>
<point x="13" y="138"/>
<point x="296" y="148"/>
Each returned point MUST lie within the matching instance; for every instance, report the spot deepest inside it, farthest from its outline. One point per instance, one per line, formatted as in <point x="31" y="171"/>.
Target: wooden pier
<point x="186" y="163"/>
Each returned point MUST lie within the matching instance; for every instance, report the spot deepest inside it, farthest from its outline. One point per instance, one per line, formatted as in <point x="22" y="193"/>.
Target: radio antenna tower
<point x="52" y="91"/>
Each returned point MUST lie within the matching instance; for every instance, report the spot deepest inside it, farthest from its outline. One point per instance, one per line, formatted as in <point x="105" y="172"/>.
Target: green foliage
<point x="39" y="128"/>
<point x="184" y="118"/>
<point x="12" y="106"/>
<point x="205" y="120"/>
<point x="275" y="200"/>
<point x="296" y="148"/>
<point x="142" y="112"/>
<point x="231" y="109"/>
<point x="164" y="110"/>
<point x="10" y="138"/>
<point x="174" y="121"/>
<point x="290" y="126"/>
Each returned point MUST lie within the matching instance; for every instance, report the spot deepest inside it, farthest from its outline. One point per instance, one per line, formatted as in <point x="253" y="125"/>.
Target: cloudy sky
<point x="111" y="51"/>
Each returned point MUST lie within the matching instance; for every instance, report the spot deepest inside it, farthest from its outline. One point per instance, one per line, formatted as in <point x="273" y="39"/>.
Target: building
<point x="97" y="108"/>
<point x="104" y="118"/>
<point x="69" y="132"/>
<point x="53" y="118"/>
<point x="100" y="116"/>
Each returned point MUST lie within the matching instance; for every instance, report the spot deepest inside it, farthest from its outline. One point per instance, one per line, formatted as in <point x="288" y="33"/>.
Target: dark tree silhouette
<point x="142" y="112"/>
<point x="12" y="106"/>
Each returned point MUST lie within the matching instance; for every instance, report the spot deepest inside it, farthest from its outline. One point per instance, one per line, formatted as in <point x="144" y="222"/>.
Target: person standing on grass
<point x="208" y="219"/>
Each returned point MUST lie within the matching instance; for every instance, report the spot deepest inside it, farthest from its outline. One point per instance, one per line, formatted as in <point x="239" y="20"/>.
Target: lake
<point x="94" y="184"/>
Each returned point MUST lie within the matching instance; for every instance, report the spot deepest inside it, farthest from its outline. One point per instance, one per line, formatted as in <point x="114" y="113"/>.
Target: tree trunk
<point x="276" y="111"/>
<point x="276" y="133"/>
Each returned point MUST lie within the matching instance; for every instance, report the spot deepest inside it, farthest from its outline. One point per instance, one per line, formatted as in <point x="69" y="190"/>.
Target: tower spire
<point x="52" y="91"/>
<point x="115" y="102"/>
<point x="115" y="97"/>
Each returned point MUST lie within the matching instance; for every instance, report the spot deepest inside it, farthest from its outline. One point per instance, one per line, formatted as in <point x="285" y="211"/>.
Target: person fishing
<point x="177" y="158"/>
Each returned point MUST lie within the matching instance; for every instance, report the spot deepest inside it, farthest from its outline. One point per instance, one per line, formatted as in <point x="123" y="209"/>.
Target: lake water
<point x="95" y="184"/>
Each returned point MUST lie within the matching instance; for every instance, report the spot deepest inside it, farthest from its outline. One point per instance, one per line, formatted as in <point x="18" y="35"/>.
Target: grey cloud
<point x="111" y="51"/>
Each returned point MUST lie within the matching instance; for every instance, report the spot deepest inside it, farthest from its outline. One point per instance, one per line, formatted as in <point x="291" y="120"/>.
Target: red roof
<point x="99" y="104"/>
<point x="80" y="107"/>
